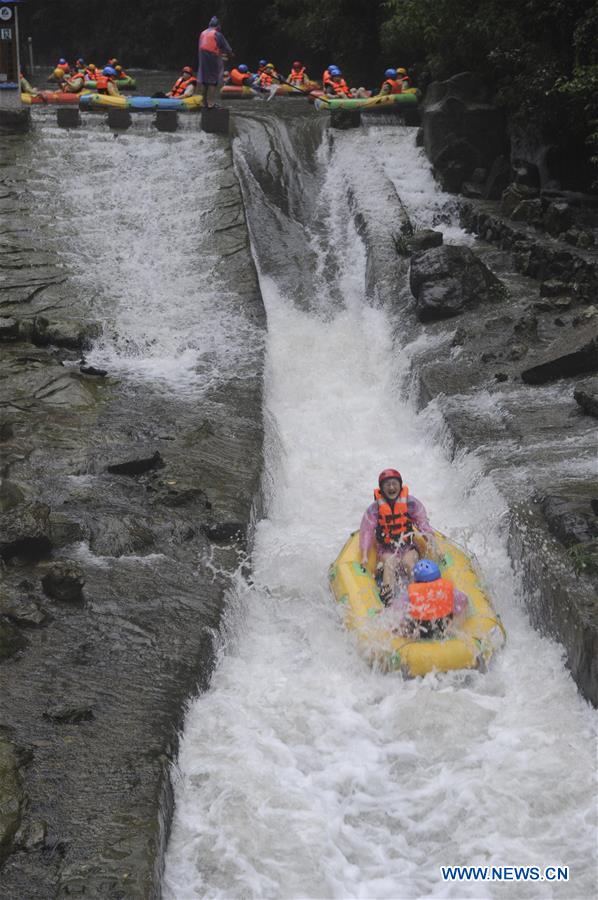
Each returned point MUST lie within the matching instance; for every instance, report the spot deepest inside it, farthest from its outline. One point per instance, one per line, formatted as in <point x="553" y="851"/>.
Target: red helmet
<point x="388" y="473"/>
<point x="296" y="64"/>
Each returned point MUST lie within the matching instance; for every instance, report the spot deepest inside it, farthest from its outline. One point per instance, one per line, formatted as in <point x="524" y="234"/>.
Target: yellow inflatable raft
<point x="475" y="640"/>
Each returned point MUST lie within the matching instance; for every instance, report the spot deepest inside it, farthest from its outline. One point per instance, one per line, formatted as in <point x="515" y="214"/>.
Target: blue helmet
<point x="390" y="73"/>
<point x="263" y="62"/>
<point x="214" y="23"/>
<point x="108" y="70"/>
<point x="334" y="70"/>
<point x="243" y="68"/>
<point x="426" y="570"/>
<point x="62" y="61"/>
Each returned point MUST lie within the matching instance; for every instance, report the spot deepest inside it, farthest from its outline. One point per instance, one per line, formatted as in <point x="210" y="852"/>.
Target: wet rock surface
<point x="447" y="280"/>
<point x="110" y="588"/>
<point x="503" y="377"/>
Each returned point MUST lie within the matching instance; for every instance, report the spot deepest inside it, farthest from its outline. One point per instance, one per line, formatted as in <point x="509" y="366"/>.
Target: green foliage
<point x="539" y="56"/>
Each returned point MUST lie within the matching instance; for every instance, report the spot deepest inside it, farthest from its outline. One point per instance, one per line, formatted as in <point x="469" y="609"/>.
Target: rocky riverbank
<point x="513" y="369"/>
<point x="122" y="515"/>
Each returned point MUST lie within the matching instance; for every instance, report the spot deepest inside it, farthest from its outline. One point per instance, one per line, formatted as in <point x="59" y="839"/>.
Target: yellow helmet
<point x="58" y="72"/>
<point x="270" y="66"/>
<point x="401" y="71"/>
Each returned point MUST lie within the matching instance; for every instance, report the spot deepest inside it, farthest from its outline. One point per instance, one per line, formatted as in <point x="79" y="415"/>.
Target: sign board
<point x="9" y="40"/>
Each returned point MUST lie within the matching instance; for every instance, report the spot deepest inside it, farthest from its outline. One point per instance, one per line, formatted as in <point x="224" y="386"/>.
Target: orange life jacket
<point x="341" y="87"/>
<point x="396" y="86"/>
<point x="182" y="83"/>
<point x="430" y="600"/>
<point x="207" y="40"/>
<point x="393" y="519"/>
<point x="102" y="82"/>
<point x="297" y="75"/>
<point x="266" y="79"/>
<point x="237" y="78"/>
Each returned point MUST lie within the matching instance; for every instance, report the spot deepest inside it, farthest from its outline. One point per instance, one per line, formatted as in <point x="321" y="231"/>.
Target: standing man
<point x="213" y="46"/>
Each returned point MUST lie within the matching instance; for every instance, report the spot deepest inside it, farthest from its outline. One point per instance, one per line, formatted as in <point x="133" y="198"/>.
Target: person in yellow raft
<point x="298" y="76"/>
<point x="106" y="82"/>
<point x="185" y="85"/>
<point x="268" y="77"/>
<point x="388" y="525"/>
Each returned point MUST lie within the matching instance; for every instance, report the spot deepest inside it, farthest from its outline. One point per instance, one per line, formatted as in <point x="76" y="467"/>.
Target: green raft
<point x="400" y="100"/>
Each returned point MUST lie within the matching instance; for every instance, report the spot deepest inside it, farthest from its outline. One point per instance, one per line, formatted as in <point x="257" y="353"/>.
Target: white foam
<point x="139" y="244"/>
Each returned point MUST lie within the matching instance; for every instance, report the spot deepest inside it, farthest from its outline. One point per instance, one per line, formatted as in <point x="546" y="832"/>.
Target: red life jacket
<point x="102" y="82"/>
<point x="396" y="86"/>
<point x="429" y="600"/>
<point x="182" y="83"/>
<point x="237" y="78"/>
<point x="393" y="518"/>
<point x="326" y="77"/>
<point x="207" y="41"/>
<point x="341" y="88"/>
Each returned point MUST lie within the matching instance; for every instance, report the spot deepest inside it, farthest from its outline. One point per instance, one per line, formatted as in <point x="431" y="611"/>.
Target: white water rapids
<point x="302" y="772"/>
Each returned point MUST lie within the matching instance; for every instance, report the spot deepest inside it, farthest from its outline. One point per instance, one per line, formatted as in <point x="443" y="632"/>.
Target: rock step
<point x="537" y="255"/>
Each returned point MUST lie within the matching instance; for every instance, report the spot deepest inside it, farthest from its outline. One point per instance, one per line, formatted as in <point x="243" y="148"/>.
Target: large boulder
<point x="448" y="279"/>
<point x="462" y="129"/>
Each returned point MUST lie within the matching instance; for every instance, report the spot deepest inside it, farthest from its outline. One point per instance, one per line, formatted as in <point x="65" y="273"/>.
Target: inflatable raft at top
<point x="283" y="90"/>
<point x="60" y="97"/>
<point x="471" y="645"/>
<point x="140" y="104"/>
<point x="406" y="99"/>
